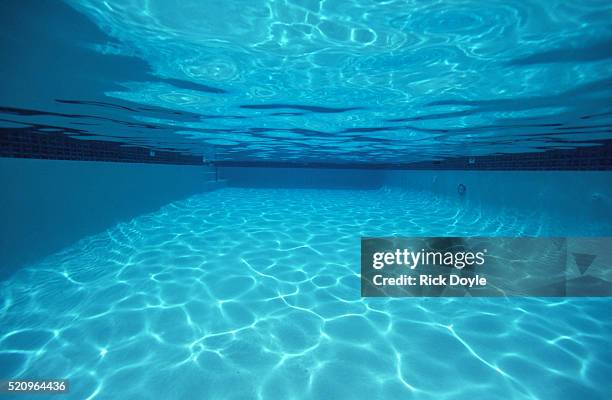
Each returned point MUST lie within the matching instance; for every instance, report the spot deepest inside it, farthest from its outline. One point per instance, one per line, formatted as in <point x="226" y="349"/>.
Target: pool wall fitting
<point x="46" y="205"/>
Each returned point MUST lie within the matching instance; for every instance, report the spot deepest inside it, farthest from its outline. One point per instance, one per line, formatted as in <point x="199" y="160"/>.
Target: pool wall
<point x="48" y="204"/>
<point x="576" y="197"/>
<point x="302" y="177"/>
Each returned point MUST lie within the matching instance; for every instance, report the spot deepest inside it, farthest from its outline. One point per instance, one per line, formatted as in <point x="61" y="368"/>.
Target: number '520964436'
<point x="58" y="386"/>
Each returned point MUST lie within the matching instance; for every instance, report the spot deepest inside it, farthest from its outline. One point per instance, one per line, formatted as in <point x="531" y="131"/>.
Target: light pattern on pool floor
<point x="254" y="293"/>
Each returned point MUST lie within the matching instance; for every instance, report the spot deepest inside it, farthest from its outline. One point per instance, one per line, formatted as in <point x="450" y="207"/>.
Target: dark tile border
<point x="595" y="158"/>
<point x="24" y="143"/>
<point x="21" y="143"/>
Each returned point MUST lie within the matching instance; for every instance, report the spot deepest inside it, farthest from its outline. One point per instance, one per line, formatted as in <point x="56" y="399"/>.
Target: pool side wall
<point x="575" y="197"/>
<point x="318" y="178"/>
<point x="46" y="205"/>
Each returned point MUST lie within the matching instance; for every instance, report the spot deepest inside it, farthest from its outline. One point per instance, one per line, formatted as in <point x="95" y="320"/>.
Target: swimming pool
<point x="185" y="186"/>
<point x="254" y="293"/>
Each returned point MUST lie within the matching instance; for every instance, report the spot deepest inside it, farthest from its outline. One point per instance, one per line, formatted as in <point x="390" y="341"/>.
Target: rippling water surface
<point x="254" y="294"/>
<point x="305" y="80"/>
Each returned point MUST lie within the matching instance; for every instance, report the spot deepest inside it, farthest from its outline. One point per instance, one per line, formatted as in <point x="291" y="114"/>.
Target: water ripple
<point x="383" y="63"/>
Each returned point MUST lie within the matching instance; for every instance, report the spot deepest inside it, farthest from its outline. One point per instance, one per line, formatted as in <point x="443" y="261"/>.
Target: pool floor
<point x="254" y="294"/>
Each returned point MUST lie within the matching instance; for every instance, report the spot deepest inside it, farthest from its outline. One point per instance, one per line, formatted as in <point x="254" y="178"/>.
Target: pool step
<point x="212" y="181"/>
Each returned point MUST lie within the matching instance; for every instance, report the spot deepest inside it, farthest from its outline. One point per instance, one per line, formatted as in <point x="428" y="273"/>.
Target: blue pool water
<point x="254" y="294"/>
<point x="252" y="290"/>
